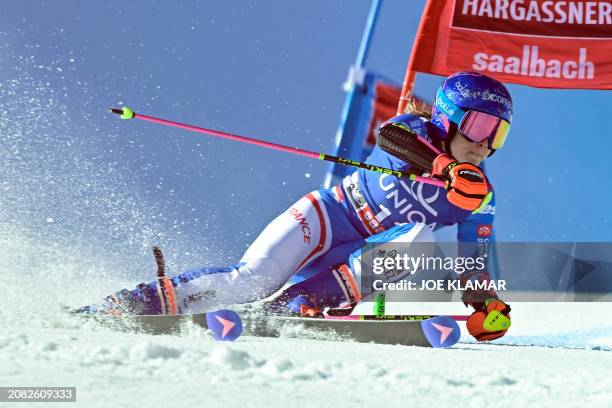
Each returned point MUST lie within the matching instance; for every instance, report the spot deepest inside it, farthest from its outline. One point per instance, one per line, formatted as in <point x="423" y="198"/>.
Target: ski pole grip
<point x="125" y="113"/>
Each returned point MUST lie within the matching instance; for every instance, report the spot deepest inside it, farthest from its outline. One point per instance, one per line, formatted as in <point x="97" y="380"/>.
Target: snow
<point x="551" y="357"/>
<point x="555" y="354"/>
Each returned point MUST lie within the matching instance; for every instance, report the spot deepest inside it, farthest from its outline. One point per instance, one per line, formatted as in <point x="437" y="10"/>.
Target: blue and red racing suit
<point x="322" y="230"/>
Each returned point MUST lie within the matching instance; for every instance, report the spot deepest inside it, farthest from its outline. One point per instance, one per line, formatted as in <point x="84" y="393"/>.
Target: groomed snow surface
<point x="558" y="354"/>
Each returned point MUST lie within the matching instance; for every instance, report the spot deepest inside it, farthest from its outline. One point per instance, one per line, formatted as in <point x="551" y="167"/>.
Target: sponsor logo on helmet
<point x="465" y="91"/>
<point x="484" y="230"/>
<point x="496" y="97"/>
<point x="445" y="106"/>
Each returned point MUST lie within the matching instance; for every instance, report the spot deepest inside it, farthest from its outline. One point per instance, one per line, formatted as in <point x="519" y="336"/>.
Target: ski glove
<point x="491" y="321"/>
<point x="468" y="185"/>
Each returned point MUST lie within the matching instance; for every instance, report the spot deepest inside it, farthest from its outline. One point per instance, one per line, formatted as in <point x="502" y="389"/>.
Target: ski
<point x="413" y="330"/>
<point x="408" y="330"/>
<point x="423" y="331"/>
<point x="224" y="324"/>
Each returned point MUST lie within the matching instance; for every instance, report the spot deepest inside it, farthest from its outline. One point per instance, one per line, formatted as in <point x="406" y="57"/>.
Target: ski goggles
<point x="475" y="125"/>
<point x="480" y="126"/>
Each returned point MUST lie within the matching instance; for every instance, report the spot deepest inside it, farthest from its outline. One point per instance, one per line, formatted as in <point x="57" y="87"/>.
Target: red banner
<point x="541" y="43"/>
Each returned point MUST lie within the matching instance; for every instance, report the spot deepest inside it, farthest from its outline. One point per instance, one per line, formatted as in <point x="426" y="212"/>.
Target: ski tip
<point x="124" y="113"/>
<point x="224" y="324"/>
<point x="441" y="331"/>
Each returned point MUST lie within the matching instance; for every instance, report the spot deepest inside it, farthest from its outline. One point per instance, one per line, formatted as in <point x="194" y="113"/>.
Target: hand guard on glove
<point x="491" y="320"/>
<point x="468" y="184"/>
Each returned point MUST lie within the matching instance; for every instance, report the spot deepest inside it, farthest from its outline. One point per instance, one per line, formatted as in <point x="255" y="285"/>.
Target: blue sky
<point x="271" y="70"/>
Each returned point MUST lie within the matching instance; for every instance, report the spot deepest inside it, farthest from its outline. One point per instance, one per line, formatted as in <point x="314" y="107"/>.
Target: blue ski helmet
<point x="469" y="91"/>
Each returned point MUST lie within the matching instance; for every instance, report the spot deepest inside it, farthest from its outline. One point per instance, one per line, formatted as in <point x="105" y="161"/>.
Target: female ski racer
<point x="317" y="235"/>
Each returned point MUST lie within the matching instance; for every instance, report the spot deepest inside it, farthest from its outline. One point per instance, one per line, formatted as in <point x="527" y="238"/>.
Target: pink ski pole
<point x="127" y="113"/>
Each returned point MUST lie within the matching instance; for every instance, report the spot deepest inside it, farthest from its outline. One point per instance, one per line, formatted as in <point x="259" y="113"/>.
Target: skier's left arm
<point x="475" y="238"/>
